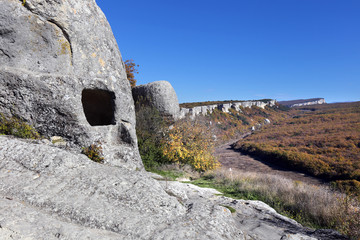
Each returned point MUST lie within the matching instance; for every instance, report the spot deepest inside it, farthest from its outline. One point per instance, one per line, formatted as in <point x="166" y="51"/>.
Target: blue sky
<point x="243" y="49"/>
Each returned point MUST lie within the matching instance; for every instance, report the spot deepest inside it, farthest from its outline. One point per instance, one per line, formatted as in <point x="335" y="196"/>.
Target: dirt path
<point x="230" y="158"/>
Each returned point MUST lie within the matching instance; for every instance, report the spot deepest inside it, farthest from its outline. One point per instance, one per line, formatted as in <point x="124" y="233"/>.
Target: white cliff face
<point x="303" y="102"/>
<point x="320" y="101"/>
<point x="208" y="109"/>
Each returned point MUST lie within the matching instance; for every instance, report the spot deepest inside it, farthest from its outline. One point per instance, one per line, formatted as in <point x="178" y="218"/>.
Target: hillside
<point x="322" y="140"/>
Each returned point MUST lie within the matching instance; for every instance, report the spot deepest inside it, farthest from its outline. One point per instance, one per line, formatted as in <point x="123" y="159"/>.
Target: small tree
<point x="189" y="142"/>
<point x="131" y="69"/>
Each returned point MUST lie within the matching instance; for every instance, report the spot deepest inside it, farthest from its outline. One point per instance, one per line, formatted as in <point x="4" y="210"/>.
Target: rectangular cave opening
<point x="98" y="106"/>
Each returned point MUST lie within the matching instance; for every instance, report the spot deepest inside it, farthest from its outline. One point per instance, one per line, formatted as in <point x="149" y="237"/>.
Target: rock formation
<point x="50" y="193"/>
<point x="203" y="110"/>
<point x="62" y="72"/>
<point x="303" y="102"/>
<point x="160" y="95"/>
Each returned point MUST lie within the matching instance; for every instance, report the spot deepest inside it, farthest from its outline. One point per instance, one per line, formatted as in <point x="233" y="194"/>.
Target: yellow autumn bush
<point x="189" y="142"/>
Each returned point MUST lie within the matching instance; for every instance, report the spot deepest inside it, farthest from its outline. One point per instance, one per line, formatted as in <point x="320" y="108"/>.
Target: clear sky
<point x="243" y="49"/>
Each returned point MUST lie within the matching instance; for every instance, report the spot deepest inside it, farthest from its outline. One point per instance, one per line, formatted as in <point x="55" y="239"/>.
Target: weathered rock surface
<point x="62" y="72"/>
<point x="303" y="102"/>
<point x="254" y="219"/>
<point x="208" y="109"/>
<point x="46" y="191"/>
<point x="159" y="94"/>
<point x="50" y="193"/>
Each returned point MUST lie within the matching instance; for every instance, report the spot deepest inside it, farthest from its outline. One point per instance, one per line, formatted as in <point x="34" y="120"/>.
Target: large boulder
<point x="62" y="72"/>
<point x="160" y="95"/>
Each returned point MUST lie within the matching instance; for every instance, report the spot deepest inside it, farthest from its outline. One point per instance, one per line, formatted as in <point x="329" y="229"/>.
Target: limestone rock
<point x="225" y="107"/>
<point x="303" y="102"/>
<point x="50" y="193"/>
<point x="204" y="110"/>
<point x="253" y="219"/>
<point x="47" y="192"/>
<point x="62" y="72"/>
<point x="58" y="141"/>
<point x="160" y="95"/>
<point x="183" y="112"/>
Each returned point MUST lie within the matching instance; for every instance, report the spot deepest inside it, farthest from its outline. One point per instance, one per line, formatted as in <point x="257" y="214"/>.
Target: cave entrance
<point x="99" y="106"/>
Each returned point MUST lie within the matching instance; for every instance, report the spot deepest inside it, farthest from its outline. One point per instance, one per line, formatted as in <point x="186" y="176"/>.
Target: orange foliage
<point x="190" y="143"/>
<point x="130" y="68"/>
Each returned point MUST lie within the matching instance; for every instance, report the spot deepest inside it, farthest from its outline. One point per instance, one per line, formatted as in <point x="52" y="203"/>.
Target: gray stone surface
<point x="47" y="192"/>
<point x="161" y="95"/>
<point x="253" y="219"/>
<point x="50" y="193"/>
<point x="62" y="72"/>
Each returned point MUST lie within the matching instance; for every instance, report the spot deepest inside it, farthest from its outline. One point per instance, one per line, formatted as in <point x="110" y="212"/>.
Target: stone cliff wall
<point x="303" y="102"/>
<point x="203" y="110"/>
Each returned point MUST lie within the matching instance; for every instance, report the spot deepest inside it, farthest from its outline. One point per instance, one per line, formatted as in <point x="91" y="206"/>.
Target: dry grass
<point x="315" y="206"/>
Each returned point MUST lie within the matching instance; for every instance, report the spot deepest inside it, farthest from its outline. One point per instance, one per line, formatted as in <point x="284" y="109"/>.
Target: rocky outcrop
<point x="225" y="107"/>
<point x="160" y="95"/>
<point x="303" y="102"/>
<point x="50" y="193"/>
<point x="61" y="71"/>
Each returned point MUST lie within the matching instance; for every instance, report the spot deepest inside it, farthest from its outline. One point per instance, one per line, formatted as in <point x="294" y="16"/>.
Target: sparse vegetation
<point x="16" y="127"/>
<point x="320" y="140"/>
<point x="232" y="125"/>
<point x="304" y="139"/>
<point x="94" y="152"/>
<point x="313" y="206"/>
<point x="231" y="209"/>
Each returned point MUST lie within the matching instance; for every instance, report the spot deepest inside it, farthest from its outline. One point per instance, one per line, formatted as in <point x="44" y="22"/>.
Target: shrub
<point x="189" y="142"/>
<point x="348" y="186"/>
<point x="94" y="152"/>
<point x="16" y="127"/>
<point x="150" y="127"/>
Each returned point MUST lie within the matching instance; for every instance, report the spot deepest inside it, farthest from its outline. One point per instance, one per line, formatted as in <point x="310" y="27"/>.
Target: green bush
<point x="150" y="130"/>
<point x="16" y="127"/>
<point x="94" y="152"/>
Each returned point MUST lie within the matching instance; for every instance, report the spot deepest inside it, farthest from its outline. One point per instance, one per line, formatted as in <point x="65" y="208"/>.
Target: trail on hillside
<point x="230" y="158"/>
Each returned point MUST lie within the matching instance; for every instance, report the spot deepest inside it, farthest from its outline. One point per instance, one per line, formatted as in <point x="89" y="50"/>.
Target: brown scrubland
<point x="321" y="140"/>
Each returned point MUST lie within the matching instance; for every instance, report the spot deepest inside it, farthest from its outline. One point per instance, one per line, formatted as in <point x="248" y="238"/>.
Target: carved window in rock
<point x="99" y="106"/>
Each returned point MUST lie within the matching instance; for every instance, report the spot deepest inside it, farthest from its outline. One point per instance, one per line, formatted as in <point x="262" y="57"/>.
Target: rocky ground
<point x="50" y="193"/>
